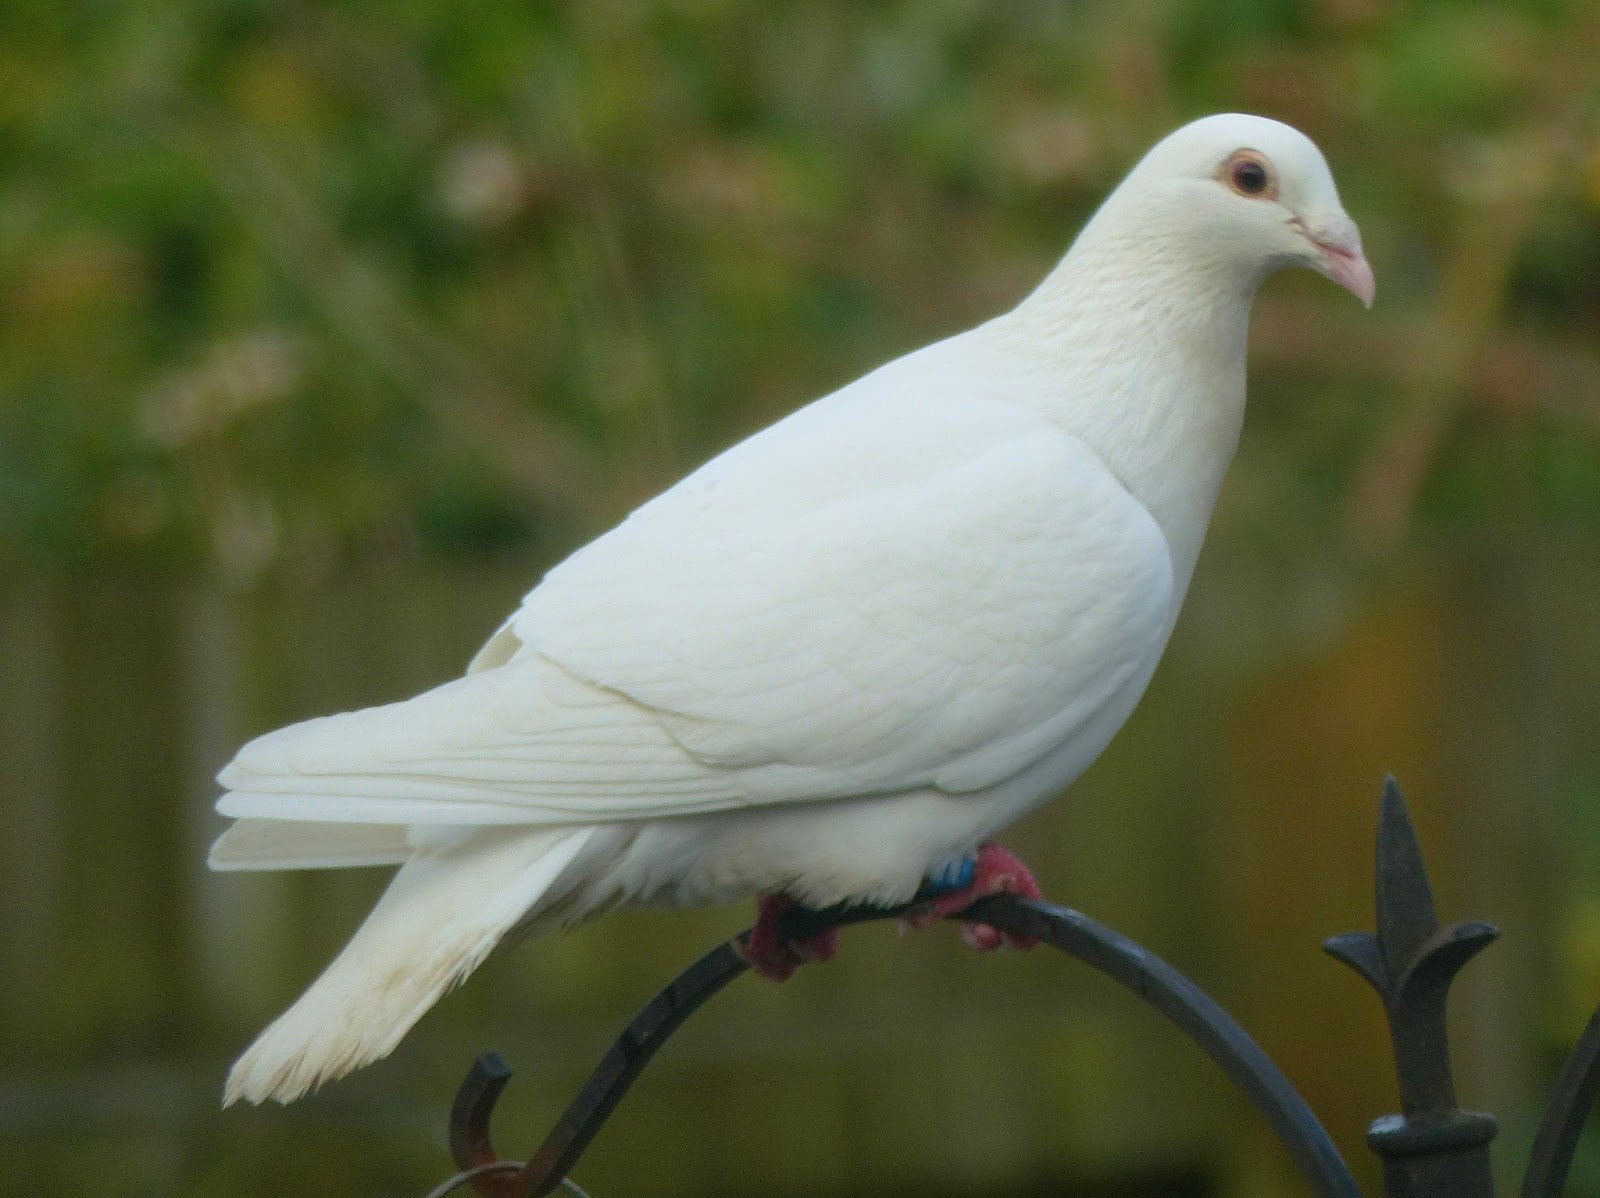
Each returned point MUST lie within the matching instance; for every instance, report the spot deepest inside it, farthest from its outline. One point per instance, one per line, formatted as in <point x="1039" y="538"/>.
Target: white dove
<point x="833" y="661"/>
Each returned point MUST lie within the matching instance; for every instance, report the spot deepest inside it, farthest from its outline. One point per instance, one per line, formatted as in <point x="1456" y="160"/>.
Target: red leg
<point x="998" y="870"/>
<point x="774" y="957"/>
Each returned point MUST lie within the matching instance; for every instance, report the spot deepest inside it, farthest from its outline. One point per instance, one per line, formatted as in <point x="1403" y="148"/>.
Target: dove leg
<point x="994" y="870"/>
<point x="775" y="958"/>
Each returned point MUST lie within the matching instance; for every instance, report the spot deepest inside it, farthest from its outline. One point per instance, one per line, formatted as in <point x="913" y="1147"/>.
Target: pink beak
<point x="1339" y="247"/>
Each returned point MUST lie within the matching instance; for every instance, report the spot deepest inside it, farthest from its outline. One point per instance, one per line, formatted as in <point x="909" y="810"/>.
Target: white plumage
<point x="833" y="659"/>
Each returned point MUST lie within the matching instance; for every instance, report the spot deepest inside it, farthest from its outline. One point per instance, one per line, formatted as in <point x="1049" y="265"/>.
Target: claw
<point x="996" y="870"/>
<point x="772" y="956"/>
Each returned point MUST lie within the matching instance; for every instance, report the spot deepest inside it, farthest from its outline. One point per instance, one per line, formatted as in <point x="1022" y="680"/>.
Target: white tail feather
<point x="296" y="844"/>
<point x="439" y="918"/>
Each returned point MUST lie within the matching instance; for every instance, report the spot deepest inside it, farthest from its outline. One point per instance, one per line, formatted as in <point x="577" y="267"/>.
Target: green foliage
<point x="279" y="282"/>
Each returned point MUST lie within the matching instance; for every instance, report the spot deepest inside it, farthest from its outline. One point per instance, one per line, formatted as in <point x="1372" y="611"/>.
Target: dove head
<point x="1248" y="195"/>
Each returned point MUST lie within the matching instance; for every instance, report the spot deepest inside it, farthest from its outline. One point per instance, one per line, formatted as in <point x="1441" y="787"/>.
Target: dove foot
<point x="772" y="956"/>
<point x="994" y="870"/>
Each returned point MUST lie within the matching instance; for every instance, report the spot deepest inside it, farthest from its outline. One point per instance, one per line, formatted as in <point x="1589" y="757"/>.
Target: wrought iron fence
<point x="1431" y="1148"/>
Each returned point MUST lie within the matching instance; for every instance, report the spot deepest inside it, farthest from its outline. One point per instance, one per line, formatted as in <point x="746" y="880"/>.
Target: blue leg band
<point x="954" y="876"/>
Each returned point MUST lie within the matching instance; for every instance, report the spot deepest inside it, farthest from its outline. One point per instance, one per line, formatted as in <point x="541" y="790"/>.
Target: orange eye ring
<point x="1249" y="174"/>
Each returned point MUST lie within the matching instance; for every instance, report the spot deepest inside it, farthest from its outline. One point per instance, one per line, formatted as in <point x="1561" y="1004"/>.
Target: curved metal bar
<point x="1565" y="1116"/>
<point x="470" y="1112"/>
<point x="1122" y="960"/>
<point x="626" y="1060"/>
<point x="547" y="1168"/>
<point x="1195" y="1013"/>
<point x="477" y="1177"/>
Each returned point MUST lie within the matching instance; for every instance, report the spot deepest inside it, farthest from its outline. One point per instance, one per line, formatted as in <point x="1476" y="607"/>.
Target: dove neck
<point x="1145" y="340"/>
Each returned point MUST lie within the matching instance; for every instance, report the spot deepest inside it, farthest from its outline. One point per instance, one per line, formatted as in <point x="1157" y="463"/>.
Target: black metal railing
<point x="1430" y="1149"/>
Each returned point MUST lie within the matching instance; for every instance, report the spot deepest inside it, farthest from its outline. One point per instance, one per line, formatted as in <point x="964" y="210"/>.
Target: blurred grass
<point x="324" y="328"/>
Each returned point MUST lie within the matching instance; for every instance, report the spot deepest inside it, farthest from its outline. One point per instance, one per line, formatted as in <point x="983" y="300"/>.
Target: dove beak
<point x="1339" y="256"/>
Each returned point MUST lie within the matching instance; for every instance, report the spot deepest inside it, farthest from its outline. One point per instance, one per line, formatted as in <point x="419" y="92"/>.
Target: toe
<point x="824" y="946"/>
<point x="770" y="954"/>
<point x="774" y="966"/>
<point x="981" y="936"/>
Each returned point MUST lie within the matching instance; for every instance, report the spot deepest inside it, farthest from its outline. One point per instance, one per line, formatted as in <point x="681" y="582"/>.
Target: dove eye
<point x="1249" y="174"/>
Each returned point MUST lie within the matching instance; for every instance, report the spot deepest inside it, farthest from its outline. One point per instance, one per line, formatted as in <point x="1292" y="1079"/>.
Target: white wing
<point x="896" y="587"/>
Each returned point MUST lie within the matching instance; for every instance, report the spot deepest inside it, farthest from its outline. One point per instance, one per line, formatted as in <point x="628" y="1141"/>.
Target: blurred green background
<point x="325" y="328"/>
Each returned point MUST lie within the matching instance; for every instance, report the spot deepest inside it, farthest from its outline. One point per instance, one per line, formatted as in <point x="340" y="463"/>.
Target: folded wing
<point x="809" y="616"/>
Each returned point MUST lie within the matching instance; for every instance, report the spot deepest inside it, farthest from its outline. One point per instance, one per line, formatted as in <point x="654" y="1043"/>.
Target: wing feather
<point x="906" y="584"/>
<point x="944" y="632"/>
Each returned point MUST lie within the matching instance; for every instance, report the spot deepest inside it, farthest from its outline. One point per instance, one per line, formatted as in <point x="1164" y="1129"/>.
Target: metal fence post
<point x="1432" y="1148"/>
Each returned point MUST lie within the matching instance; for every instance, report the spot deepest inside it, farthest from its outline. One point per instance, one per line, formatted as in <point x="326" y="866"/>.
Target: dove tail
<point x="440" y="917"/>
